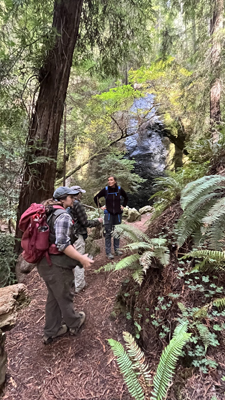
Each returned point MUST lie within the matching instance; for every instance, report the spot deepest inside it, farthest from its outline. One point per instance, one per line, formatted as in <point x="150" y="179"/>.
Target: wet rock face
<point x="146" y="146"/>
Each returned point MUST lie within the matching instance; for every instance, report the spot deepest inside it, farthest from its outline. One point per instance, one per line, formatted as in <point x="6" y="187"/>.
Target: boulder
<point x="125" y="212"/>
<point x="23" y="268"/>
<point x="3" y="359"/>
<point x="11" y="297"/>
<point x="145" y="209"/>
<point x="133" y="215"/>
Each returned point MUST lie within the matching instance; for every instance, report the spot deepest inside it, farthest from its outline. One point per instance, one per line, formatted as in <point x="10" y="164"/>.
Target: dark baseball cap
<point x="64" y="191"/>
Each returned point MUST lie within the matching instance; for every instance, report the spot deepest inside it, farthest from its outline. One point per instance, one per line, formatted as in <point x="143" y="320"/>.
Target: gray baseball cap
<point x="78" y="188"/>
<point x="63" y="191"/>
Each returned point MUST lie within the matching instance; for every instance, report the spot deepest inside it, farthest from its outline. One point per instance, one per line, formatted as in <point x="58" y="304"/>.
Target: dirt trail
<point x="71" y="368"/>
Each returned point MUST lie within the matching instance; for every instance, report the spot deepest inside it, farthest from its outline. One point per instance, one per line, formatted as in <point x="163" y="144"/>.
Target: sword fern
<point x="203" y="204"/>
<point x="135" y="370"/>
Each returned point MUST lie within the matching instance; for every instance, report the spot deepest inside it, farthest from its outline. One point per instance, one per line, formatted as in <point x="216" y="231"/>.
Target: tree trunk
<point x="216" y="23"/>
<point x="43" y="137"/>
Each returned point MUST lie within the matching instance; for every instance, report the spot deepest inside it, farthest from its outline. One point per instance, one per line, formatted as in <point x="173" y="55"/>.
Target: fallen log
<point x="11" y="297"/>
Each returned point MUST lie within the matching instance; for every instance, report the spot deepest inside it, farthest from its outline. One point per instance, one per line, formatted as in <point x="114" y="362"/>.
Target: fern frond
<point x="158" y="242"/>
<point x="215" y="234"/>
<point x="219" y="303"/>
<point x="181" y="328"/>
<point x="193" y="189"/>
<point x="206" y="336"/>
<point x="137" y="357"/>
<point x="139" y="246"/>
<point x="138" y="276"/>
<point x="217" y="256"/>
<point x="163" y="255"/>
<point x="127" y="262"/>
<point x="182" y="307"/>
<point x="126" y="368"/>
<point x="108" y="267"/>
<point x="167" y="364"/>
<point x="145" y="260"/>
<point x="190" y="222"/>
<point x="215" y="212"/>
<point x="132" y="233"/>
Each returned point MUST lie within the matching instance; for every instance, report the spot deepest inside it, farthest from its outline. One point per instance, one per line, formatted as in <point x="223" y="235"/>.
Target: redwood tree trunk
<point x="43" y="137"/>
<point x="216" y="24"/>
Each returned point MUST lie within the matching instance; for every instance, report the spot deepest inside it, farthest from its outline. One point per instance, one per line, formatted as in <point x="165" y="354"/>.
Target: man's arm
<point x="82" y="217"/>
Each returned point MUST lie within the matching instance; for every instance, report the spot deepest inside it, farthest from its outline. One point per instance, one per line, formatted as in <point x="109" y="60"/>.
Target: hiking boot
<point x="61" y="331"/>
<point x="74" y="331"/>
<point x="118" y="253"/>
<point x="110" y="256"/>
<point x="81" y="287"/>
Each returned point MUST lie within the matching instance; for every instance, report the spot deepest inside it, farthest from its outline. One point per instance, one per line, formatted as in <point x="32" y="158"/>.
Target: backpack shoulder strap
<point x="56" y="213"/>
<point x="106" y="189"/>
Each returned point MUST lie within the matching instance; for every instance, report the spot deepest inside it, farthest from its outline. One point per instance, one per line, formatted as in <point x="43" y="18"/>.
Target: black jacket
<point x="112" y="199"/>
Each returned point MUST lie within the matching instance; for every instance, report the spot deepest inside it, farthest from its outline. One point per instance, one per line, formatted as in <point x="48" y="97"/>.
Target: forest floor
<point x="70" y="368"/>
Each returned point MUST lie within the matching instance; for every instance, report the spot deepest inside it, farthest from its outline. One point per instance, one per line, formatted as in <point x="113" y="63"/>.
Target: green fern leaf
<point x="207" y="337"/>
<point x="131" y="232"/>
<point x="126" y="368"/>
<point x="215" y="212"/>
<point x="182" y="307"/>
<point x="138" y="276"/>
<point x="193" y="189"/>
<point x="163" y="255"/>
<point x="219" y="303"/>
<point x="145" y="260"/>
<point x="108" y="267"/>
<point x="181" y="328"/>
<point x="127" y="262"/>
<point x="167" y="364"/>
<point x="139" y="246"/>
<point x="137" y="357"/>
<point x="190" y="222"/>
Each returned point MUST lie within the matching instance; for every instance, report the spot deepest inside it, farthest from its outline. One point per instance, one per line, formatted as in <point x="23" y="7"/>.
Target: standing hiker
<point x="81" y="222"/>
<point x="112" y="213"/>
<point x="59" y="276"/>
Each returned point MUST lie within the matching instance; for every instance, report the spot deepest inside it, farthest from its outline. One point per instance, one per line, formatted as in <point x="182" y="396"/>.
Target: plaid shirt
<point x="63" y="227"/>
<point x="79" y="215"/>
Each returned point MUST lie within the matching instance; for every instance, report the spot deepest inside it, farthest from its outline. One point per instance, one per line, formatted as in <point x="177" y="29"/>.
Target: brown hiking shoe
<point x="61" y="331"/>
<point x="74" y="331"/>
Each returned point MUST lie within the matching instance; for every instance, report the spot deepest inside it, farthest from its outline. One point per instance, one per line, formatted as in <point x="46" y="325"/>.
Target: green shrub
<point x="7" y="260"/>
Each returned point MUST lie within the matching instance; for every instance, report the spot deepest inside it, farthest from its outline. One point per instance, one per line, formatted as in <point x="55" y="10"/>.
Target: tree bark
<point x="216" y="23"/>
<point x="43" y="137"/>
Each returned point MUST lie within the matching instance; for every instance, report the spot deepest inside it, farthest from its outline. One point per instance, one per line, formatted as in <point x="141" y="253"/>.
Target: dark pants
<point x="109" y="223"/>
<point x="59" y="303"/>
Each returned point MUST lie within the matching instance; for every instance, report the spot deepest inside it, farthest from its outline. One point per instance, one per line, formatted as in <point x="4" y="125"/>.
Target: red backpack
<point x="35" y="239"/>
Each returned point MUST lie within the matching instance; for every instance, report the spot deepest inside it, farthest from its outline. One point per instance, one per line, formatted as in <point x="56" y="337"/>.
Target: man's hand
<point x="71" y="252"/>
<point x="100" y="220"/>
<point x="103" y="208"/>
<point x="122" y="207"/>
<point x="86" y="261"/>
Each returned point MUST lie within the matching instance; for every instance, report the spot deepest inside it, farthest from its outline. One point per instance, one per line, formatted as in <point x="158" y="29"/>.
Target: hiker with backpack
<point x="113" y="210"/>
<point x="57" y="262"/>
<point x="81" y="223"/>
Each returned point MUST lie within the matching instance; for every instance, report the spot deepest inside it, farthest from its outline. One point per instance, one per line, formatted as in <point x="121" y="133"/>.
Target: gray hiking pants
<point x="59" y="303"/>
<point x="79" y="280"/>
